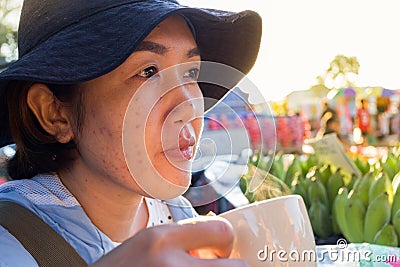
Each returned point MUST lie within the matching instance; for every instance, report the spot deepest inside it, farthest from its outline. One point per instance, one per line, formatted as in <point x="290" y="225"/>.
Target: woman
<point x="105" y="109"/>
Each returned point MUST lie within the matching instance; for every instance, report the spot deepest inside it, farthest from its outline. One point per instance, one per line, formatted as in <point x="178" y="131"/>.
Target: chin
<point x="178" y="173"/>
<point x="179" y="178"/>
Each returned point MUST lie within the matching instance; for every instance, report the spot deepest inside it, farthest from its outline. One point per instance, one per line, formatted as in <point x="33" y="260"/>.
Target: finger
<point x="210" y="232"/>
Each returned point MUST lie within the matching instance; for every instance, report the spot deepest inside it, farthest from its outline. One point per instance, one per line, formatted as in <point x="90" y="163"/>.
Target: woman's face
<point x="147" y="113"/>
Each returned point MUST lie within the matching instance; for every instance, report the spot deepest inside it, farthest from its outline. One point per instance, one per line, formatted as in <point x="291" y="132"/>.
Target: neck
<point x="116" y="211"/>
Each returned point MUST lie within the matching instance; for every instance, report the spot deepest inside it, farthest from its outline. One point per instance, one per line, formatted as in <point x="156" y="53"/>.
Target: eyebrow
<point x="193" y="52"/>
<point x="152" y="47"/>
<point x="162" y="50"/>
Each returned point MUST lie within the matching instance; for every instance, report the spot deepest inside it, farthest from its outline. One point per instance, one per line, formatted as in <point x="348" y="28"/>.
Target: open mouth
<point x="186" y="145"/>
<point x="184" y="151"/>
<point x="180" y="154"/>
<point x="187" y="152"/>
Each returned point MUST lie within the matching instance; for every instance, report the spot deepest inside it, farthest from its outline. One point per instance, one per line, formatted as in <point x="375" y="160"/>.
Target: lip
<point x="184" y="152"/>
<point x="180" y="154"/>
<point x="185" y="147"/>
<point x="187" y="152"/>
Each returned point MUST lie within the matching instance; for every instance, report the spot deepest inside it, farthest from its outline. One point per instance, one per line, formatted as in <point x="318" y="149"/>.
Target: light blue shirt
<point x="49" y="199"/>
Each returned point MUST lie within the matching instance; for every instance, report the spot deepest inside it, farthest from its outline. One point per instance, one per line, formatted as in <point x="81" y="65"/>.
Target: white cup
<point x="273" y="232"/>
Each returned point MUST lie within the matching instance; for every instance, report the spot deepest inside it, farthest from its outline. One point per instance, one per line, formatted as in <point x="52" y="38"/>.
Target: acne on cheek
<point x="105" y="131"/>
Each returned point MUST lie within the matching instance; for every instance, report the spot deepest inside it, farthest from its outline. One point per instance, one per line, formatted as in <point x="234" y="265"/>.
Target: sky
<point x="301" y="38"/>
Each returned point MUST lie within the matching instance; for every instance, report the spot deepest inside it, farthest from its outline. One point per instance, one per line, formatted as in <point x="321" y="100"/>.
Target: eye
<point x="148" y="72"/>
<point x="192" y="74"/>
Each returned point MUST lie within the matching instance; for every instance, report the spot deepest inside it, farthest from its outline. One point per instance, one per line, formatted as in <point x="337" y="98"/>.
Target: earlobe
<point x="50" y="112"/>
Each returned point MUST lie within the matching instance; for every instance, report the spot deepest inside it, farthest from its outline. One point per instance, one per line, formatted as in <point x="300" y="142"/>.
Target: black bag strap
<point x="47" y="247"/>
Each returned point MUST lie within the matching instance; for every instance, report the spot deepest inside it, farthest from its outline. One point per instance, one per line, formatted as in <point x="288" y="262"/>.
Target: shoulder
<point x="12" y="253"/>
<point x="48" y="199"/>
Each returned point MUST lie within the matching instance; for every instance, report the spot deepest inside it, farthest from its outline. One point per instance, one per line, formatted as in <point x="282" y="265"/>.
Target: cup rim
<point x="262" y="202"/>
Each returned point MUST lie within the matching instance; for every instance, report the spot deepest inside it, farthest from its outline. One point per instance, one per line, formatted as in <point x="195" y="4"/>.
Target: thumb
<point x="206" y="232"/>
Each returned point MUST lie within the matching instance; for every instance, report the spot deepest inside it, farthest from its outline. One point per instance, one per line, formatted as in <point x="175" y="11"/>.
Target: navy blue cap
<point x="68" y="42"/>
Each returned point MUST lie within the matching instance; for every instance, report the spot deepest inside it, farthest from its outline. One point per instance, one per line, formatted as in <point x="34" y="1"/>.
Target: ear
<point x="52" y="115"/>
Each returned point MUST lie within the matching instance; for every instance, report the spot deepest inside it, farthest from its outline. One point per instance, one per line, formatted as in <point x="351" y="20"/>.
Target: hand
<point x="171" y="245"/>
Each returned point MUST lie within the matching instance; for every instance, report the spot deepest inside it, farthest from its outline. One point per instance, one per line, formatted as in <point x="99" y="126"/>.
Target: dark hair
<point x="37" y="151"/>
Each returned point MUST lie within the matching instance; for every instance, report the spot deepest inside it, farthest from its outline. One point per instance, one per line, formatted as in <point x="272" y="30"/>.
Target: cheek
<point x="103" y="124"/>
<point x="144" y="151"/>
<point x="153" y="127"/>
<point x="100" y="141"/>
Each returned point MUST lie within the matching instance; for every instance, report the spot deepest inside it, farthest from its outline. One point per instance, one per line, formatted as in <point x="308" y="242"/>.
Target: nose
<point x="186" y="108"/>
<point x="185" y="98"/>
<point x="184" y="112"/>
<point x="185" y="103"/>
